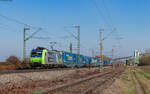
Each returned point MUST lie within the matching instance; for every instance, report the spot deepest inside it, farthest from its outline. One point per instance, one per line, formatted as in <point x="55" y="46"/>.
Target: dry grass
<point x="7" y="66"/>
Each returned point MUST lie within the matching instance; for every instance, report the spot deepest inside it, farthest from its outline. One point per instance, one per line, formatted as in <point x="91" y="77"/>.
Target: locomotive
<point x="42" y="57"/>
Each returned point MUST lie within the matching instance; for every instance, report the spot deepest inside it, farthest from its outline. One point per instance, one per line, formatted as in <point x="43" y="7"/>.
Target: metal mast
<point x="113" y="59"/>
<point x="78" y="38"/>
<point x="24" y="48"/>
<point x="70" y="47"/>
<point x="101" y="49"/>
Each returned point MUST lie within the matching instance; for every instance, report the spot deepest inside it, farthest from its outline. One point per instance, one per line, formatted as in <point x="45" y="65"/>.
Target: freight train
<point x="42" y="57"/>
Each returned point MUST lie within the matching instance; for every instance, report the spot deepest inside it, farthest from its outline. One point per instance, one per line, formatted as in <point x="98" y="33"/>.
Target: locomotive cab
<point x="36" y="58"/>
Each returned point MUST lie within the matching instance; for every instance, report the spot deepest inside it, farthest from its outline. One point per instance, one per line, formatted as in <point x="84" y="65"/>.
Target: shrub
<point x="145" y="60"/>
<point x="14" y="61"/>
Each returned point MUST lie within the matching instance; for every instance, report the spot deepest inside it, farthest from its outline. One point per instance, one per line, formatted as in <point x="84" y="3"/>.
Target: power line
<point x="56" y="36"/>
<point x="108" y="13"/>
<point x="3" y="26"/>
<point x="109" y="16"/>
<point x="16" y="21"/>
<point x="101" y="13"/>
<point x="107" y="22"/>
<point x="109" y="34"/>
<point x="70" y="33"/>
<point x="42" y="38"/>
<point x="110" y="24"/>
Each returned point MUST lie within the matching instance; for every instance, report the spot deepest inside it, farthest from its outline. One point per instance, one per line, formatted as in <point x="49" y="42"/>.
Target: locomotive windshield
<point x="36" y="53"/>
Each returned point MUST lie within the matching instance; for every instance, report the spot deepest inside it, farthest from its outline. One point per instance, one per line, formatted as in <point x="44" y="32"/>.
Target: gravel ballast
<point x="29" y="82"/>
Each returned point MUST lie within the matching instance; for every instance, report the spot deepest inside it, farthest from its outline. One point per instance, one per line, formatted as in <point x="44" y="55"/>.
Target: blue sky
<point x="130" y="18"/>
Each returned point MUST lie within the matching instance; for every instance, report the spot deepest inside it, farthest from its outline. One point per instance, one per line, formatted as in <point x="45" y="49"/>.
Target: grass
<point x="146" y="74"/>
<point x="125" y="77"/>
<point x="143" y="82"/>
<point x="128" y="84"/>
<point x="144" y="79"/>
<point x="37" y="92"/>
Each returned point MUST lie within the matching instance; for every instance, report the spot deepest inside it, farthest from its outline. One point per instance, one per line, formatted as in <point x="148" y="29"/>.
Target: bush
<point x="14" y="61"/>
<point x="145" y="60"/>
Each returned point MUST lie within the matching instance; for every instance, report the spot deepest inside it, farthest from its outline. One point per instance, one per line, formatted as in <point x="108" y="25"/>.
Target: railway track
<point x="98" y="87"/>
<point x="31" y="70"/>
<point x="83" y="86"/>
<point x="35" y="70"/>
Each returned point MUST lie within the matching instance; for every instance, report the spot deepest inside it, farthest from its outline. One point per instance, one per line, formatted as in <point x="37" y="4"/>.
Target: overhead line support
<point x="101" y="50"/>
<point x="78" y="45"/>
<point x="24" y="48"/>
<point x="25" y="39"/>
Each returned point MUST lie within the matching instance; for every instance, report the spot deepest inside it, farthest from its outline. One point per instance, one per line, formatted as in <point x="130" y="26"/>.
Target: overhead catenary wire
<point x="109" y="34"/>
<point x="53" y="38"/>
<point x="101" y="14"/>
<point x="108" y="13"/>
<point x="109" y="23"/>
<point x="54" y="35"/>
<point x="17" y="21"/>
<point x="42" y="38"/>
<point x="70" y="33"/>
<point x="3" y="26"/>
<point x="27" y="25"/>
<point x="109" y="17"/>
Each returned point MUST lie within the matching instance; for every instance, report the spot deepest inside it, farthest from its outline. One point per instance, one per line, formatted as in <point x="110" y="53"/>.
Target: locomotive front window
<point x="36" y="53"/>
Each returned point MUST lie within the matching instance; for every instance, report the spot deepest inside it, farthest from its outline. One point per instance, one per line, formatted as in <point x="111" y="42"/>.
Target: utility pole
<point x="78" y="38"/>
<point x="113" y="59"/>
<point x="101" y="50"/>
<point x="78" y="45"/>
<point x="24" y="49"/>
<point x="70" y="47"/>
<point x="101" y="45"/>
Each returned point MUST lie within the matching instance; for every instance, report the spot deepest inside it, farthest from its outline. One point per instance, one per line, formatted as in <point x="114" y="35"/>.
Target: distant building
<point x="136" y="57"/>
